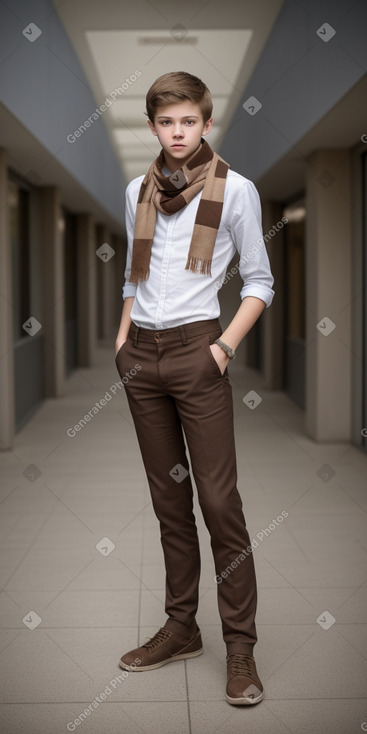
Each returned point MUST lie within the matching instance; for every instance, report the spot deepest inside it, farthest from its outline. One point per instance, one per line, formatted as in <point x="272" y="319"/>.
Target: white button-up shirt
<point x="172" y="295"/>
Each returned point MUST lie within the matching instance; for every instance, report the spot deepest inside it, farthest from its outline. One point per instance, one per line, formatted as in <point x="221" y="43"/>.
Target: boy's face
<point x="179" y="128"/>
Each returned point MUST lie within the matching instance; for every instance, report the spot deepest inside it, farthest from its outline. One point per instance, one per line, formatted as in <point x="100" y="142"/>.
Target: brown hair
<point x="176" y="86"/>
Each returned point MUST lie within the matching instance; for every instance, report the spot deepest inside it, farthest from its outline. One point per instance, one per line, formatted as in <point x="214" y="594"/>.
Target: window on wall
<point x="70" y="261"/>
<point x="69" y="230"/>
<point x="294" y="301"/>
<point x="19" y="216"/>
<point x="295" y="264"/>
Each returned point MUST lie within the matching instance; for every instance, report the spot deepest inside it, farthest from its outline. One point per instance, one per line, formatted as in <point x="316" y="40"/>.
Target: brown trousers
<point x="179" y="386"/>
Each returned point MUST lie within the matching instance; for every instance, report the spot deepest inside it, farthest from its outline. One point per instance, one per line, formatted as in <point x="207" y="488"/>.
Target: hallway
<point x="63" y="493"/>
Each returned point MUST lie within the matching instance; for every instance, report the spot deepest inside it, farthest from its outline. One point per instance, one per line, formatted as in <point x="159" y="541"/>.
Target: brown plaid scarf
<point x="206" y="170"/>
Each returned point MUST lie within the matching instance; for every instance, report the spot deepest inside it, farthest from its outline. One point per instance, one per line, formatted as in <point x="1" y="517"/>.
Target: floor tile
<point x="96" y="604"/>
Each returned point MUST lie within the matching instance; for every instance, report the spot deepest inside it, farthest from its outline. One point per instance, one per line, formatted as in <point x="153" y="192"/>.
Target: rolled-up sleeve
<point x="129" y="289"/>
<point x="246" y="231"/>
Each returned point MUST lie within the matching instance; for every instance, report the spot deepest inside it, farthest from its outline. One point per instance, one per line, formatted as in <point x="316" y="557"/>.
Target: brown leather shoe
<point x="164" y="647"/>
<point x="244" y="686"/>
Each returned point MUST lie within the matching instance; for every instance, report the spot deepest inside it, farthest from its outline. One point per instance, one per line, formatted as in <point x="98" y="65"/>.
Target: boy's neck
<point x="165" y="164"/>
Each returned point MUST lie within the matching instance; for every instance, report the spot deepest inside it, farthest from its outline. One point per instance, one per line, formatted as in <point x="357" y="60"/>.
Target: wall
<point x="44" y="86"/>
<point x="298" y="79"/>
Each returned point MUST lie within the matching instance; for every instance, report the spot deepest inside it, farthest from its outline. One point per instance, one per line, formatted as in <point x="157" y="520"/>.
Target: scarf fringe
<point x="138" y="274"/>
<point x="194" y="262"/>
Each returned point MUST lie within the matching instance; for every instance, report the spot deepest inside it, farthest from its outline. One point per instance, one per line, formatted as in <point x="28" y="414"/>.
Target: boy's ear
<point x="208" y="126"/>
<point x="152" y="127"/>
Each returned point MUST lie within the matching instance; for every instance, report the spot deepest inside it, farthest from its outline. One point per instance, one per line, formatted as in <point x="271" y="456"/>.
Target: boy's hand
<point x="118" y="344"/>
<point x="220" y="357"/>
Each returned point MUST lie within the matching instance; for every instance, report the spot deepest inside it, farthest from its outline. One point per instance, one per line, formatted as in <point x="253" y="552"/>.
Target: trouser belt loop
<point x="182" y="334"/>
<point x="136" y="336"/>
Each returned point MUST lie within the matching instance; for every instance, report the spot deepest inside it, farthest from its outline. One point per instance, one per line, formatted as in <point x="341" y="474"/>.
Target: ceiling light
<point x="159" y="40"/>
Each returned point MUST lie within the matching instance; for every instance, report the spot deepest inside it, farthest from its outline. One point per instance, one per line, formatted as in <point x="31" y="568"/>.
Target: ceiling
<point x="220" y="42"/>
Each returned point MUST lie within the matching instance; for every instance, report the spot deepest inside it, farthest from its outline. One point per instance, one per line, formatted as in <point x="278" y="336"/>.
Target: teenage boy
<point x="185" y="219"/>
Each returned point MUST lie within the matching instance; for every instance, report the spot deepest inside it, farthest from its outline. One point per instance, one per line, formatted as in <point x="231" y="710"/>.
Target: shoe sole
<point x="138" y="668"/>
<point x="244" y="701"/>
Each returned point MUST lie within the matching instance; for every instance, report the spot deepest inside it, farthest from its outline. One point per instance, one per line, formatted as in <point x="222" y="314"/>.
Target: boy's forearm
<point x="125" y="321"/>
<point x="244" y="319"/>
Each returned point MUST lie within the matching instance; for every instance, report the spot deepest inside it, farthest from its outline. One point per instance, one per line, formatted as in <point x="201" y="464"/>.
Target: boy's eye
<point x="169" y="121"/>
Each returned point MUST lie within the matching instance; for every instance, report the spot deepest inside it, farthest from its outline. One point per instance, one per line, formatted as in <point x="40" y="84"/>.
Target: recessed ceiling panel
<point x="118" y="54"/>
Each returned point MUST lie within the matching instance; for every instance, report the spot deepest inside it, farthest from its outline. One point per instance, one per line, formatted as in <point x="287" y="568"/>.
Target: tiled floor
<point x="94" y="606"/>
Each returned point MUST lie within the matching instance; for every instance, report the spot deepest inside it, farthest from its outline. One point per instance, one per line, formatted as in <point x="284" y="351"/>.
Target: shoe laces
<point x="240" y="664"/>
<point x="156" y="640"/>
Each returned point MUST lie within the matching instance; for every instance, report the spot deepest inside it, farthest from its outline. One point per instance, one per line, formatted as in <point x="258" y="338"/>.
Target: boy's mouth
<point x="178" y="145"/>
